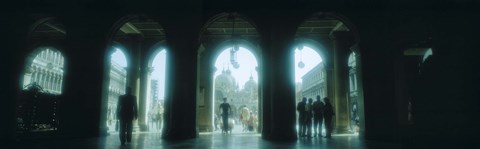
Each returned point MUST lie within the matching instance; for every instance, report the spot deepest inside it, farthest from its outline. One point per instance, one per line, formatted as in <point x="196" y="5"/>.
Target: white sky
<point x="158" y="73"/>
<point x="247" y="62"/>
<point x="119" y="57"/>
<point x="310" y="58"/>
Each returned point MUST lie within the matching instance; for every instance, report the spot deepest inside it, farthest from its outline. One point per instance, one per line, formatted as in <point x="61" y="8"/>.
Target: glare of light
<point x="247" y="61"/>
<point x="119" y="58"/>
<point x="158" y="73"/>
<point x="309" y="57"/>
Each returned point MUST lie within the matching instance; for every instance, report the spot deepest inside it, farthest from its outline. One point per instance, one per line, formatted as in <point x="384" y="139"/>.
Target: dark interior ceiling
<point x="49" y="29"/>
<point x="218" y="30"/>
<point x="145" y="28"/>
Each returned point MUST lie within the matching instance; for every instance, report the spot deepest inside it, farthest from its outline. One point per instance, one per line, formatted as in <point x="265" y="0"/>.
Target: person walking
<point x="126" y="112"/>
<point x="301" y="117"/>
<point x="226" y="110"/>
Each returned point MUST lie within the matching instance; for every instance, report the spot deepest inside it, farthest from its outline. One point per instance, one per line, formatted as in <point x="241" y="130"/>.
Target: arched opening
<point x="141" y="39"/>
<point x="45" y="70"/>
<point x="156" y="90"/>
<point x="353" y="92"/>
<point x="310" y="82"/>
<point x="42" y="81"/>
<point x="116" y="86"/>
<point x="228" y="62"/>
<point x="332" y="38"/>
<point x="238" y="83"/>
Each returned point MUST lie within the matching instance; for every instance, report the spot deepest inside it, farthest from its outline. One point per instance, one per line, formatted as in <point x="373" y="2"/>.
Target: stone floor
<point x="238" y="139"/>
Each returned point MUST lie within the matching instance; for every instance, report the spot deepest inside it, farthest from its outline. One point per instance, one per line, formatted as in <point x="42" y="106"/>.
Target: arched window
<point x="236" y="79"/>
<point x="45" y="69"/>
<point x="117" y="85"/>
<point x="309" y="68"/>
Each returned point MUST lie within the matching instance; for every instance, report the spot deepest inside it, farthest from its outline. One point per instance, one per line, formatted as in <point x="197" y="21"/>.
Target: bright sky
<point x="119" y="58"/>
<point x="310" y="58"/>
<point x="247" y="62"/>
<point x="158" y="73"/>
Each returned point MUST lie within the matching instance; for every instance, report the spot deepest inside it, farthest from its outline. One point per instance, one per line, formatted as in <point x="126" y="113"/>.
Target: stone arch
<point x="209" y="50"/>
<point x="343" y="35"/>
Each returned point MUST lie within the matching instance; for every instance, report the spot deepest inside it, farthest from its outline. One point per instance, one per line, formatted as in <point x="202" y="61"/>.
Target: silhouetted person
<point x="301" y="116"/>
<point x="309" y="116"/>
<point x="328" y="115"/>
<point x="225" y="108"/>
<point x="317" y="117"/>
<point x="126" y="112"/>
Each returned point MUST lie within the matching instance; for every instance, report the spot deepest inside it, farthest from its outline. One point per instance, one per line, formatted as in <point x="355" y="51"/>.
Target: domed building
<point x="249" y="94"/>
<point x="225" y="86"/>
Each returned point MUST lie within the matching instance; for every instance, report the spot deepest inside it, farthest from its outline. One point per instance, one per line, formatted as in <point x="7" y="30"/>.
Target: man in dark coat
<point x="317" y="117"/>
<point x="328" y="115"/>
<point x="126" y="112"/>
<point x="301" y="117"/>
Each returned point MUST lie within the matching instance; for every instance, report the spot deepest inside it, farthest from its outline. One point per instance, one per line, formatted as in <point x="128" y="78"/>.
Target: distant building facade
<point x="46" y="70"/>
<point x="226" y="86"/>
<point x="117" y="86"/>
<point x="314" y="82"/>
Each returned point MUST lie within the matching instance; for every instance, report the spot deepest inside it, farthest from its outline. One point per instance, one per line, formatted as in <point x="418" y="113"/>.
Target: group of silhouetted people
<point x="314" y="113"/>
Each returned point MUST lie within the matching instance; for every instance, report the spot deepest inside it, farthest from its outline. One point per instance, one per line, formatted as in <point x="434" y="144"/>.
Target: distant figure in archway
<point x="226" y="110"/>
<point x="245" y="117"/>
<point x="126" y="112"/>
<point x="328" y="115"/>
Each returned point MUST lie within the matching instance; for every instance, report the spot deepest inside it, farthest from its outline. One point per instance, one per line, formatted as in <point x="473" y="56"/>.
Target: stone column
<point x="34" y="75"/>
<point x="205" y="98"/>
<point x="61" y="83"/>
<point x="57" y="83"/>
<point x="342" y="41"/>
<point x="134" y="76"/>
<point x="279" y="80"/>
<point x="40" y="78"/>
<point x="49" y="81"/>
<point x="180" y="96"/>
<point x="144" y="95"/>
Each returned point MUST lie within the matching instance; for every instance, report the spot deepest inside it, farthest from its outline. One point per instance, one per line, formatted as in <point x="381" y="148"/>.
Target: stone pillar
<point x="40" y="78"/>
<point x="34" y="75"/>
<point x="134" y="77"/>
<point x="49" y="81"/>
<point x="180" y="94"/>
<point x="61" y="83"/>
<point x="279" y="81"/>
<point x="144" y="96"/>
<point x="342" y="41"/>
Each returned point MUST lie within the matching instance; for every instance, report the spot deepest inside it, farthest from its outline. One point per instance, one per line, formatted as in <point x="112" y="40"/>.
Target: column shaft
<point x="341" y="42"/>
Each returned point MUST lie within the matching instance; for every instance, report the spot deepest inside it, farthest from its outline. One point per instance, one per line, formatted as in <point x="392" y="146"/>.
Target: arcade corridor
<point x="399" y="74"/>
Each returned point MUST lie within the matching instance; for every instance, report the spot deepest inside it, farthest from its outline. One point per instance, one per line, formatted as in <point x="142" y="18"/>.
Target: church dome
<point x="250" y="84"/>
<point x="225" y="80"/>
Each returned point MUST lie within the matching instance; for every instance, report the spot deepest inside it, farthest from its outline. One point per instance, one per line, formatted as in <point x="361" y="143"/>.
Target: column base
<point x="104" y="131"/>
<point x="342" y="131"/>
<point x="143" y="127"/>
<point x="205" y="128"/>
